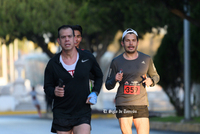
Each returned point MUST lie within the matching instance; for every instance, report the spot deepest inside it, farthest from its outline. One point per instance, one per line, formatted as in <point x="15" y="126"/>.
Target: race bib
<point x="132" y="88"/>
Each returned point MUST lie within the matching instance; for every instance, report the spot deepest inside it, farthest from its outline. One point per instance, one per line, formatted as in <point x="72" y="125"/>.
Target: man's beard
<point x="130" y="52"/>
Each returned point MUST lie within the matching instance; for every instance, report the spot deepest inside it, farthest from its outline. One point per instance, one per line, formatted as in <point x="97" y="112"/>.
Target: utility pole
<point x="187" y="111"/>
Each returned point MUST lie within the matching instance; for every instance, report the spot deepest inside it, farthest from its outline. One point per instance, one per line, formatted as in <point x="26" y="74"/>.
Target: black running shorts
<point x="135" y="111"/>
<point x="68" y="124"/>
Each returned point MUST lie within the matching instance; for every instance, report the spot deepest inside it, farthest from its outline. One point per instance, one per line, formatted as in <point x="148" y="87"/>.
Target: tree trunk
<point x="172" y="93"/>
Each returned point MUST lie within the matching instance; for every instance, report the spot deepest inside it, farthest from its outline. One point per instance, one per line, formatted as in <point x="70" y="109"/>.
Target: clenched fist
<point x="59" y="91"/>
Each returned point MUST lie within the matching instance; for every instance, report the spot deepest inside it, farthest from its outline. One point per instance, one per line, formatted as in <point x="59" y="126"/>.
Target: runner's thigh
<point x="141" y="125"/>
<point x="82" y="129"/>
<point x="126" y="124"/>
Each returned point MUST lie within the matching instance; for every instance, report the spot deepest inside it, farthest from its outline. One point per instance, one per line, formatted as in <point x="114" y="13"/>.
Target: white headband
<point x="129" y="30"/>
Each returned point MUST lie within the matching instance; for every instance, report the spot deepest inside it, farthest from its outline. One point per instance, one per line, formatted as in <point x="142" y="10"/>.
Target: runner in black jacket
<point x="70" y="110"/>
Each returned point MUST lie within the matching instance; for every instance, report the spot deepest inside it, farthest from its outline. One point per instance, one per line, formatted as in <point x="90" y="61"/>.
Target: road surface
<point x="32" y="124"/>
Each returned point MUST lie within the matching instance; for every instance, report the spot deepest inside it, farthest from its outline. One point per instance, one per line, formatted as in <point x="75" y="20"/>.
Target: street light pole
<point x="187" y="111"/>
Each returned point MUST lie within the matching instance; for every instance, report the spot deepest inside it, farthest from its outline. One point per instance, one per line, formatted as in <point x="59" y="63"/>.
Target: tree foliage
<point x="33" y="18"/>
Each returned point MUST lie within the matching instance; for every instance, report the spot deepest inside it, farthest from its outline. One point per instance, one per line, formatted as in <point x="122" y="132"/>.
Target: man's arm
<point x="110" y="81"/>
<point x="49" y="82"/>
<point x="153" y="73"/>
<point x="98" y="77"/>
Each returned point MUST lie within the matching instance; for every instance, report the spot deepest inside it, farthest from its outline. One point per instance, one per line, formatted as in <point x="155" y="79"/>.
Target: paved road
<point x="32" y="124"/>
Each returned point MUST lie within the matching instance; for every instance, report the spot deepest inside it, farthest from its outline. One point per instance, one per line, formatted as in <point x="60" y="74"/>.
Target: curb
<point x="19" y="112"/>
<point x="180" y="127"/>
<point x="103" y="116"/>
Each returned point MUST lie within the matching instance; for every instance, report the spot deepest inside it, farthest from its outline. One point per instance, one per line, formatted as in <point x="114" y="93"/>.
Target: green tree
<point x="102" y="19"/>
<point x="33" y="19"/>
<point x="169" y="58"/>
<point x="169" y="65"/>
